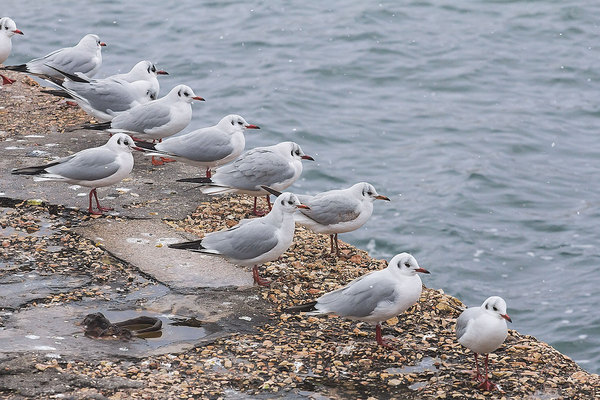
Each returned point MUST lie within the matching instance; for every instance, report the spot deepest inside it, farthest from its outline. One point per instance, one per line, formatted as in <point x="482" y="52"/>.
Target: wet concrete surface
<point x="172" y="285"/>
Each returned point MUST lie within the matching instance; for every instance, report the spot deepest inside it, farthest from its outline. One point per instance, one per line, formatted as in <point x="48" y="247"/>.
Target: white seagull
<point x="157" y="119"/>
<point x="85" y="58"/>
<point x="207" y="147"/>
<point x="8" y="29"/>
<point x="276" y="166"/>
<point x="337" y="211"/>
<point x="253" y="241"/>
<point x="105" y="98"/>
<point x="374" y="297"/>
<point x="95" y="167"/>
<point x="482" y="330"/>
<point x="143" y="71"/>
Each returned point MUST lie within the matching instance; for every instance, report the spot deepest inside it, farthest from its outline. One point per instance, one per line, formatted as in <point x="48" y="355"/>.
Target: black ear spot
<point x="119" y="141"/>
<point x="179" y="93"/>
<point x="232" y="123"/>
<point x="282" y="202"/>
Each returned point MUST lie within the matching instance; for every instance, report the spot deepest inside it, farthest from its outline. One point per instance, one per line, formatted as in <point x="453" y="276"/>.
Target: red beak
<point x="252" y="127"/>
<point x="303" y="206"/>
<point x="305" y="157"/>
<point x="102" y="44"/>
<point x="18" y="31"/>
<point x="198" y="98"/>
<point x="380" y="197"/>
<point x="506" y="317"/>
<point x="161" y="72"/>
<point x="422" y="270"/>
<point x="137" y="148"/>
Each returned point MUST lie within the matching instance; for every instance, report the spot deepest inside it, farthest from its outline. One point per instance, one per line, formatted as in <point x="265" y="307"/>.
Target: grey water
<point x="479" y="119"/>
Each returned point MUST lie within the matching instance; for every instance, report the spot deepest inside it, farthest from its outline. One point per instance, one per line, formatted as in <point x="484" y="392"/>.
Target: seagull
<point x="276" y="166"/>
<point x="253" y="241"/>
<point x="374" y="297"/>
<point x="8" y="29"/>
<point x="156" y="119"/>
<point x="482" y="330"/>
<point x="207" y="147"/>
<point x="105" y="98"/>
<point x="94" y="167"/>
<point x="337" y="211"/>
<point x="85" y="58"/>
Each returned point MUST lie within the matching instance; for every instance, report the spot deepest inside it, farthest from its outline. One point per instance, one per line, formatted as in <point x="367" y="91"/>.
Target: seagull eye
<point x="495" y="309"/>
<point x="290" y="202"/>
<point x="407" y="265"/>
<point x="240" y="123"/>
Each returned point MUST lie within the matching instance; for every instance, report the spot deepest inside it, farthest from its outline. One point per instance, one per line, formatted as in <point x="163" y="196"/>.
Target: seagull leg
<point x="6" y="80"/>
<point x="331" y="240"/>
<point x="157" y="160"/>
<point x="487" y="384"/>
<point x="477" y="374"/>
<point x="167" y="159"/>
<point x="255" y="211"/>
<point x="269" y="202"/>
<point x="257" y="279"/>
<point x="379" y="337"/>
<point x="98" y="203"/>
<point x="208" y="172"/>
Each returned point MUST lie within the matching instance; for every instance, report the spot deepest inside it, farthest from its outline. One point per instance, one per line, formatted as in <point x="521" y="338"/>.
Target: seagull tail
<point x="196" y="180"/>
<point x="37" y="170"/>
<point x="99" y="126"/>
<point x="302" y="307"/>
<point x="58" y="92"/>
<point x="193" y="245"/>
<point x="145" y="145"/>
<point x="20" y="68"/>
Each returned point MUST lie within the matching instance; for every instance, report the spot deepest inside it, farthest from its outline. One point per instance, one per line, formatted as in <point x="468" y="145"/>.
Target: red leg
<point x="269" y="202"/>
<point x="255" y="211"/>
<point x="98" y="203"/>
<point x="257" y="279"/>
<point x="157" y="160"/>
<point x="331" y="240"/>
<point x="91" y="211"/>
<point x="478" y="375"/>
<point x="379" y="337"/>
<point x="6" y="80"/>
<point x="167" y="159"/>
<point x="487" y="384"/>
<point x="71" y="103"/>
<point x="208" y="172"/>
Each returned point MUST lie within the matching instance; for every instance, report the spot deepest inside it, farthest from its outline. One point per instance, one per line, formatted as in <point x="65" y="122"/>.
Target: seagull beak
<point x="198" y="98"/>
<point x="303" y="206"/>
<point x="422" y="270"/>
<point x="137" y="148"/>
<point x="250" y="126"/>
<point x="305" y="157"/>
<point x="380" y="197"/>
<point x="102" y="44"/>
<point x="506" y="317"/>
<point x="18" y="31"/>
<point x="161" y="72"/>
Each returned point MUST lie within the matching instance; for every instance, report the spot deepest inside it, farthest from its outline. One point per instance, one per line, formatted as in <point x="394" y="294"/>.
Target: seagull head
<point x="294" y="150"/>
<point x="91" y="42"/>
<point x="8" y="27"/>
<point x="183" y="93"/>
<point x="121" y="142"/>
<point x="405" y="264"/>
<point x="497" y="306"/>
<point x="368" y="192"/>
<point x="288" y="203"/>
<point x="233" y="123"/>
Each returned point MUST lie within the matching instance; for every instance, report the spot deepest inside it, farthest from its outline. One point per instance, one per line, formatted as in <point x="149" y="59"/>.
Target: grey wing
<point x="104" y="95"/>
<point x="143" y="117"/>
<point x="210" y="145"/>
<point x="359" y="298"/>
<point x="462" y="322"/>
<point x="87" y="165"/>
<point x="333" y="209"/>
<point x="71" y="60"/>
<point x="254" y="168"/>
<point x="244" y="241"/>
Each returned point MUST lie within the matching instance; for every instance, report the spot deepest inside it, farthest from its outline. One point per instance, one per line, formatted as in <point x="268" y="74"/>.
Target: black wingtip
<point x="57" y="92"/>
<point x="99" y="126"/>
<point x="271" y="190"/>
<point x="19" y="68"/>
<point x="194" y="245"/>
<point x="302" y="307"/>
<point x="72" y="77"/>
<point x="144" y="145"/>
<point x="196" y="180"/>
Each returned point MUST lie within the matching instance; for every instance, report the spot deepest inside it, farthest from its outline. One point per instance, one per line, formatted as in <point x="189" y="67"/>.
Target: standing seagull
<point x="143" y="71"/>
<point x="8" y="29"/>
<point x="337" y="211"/>
<point x="275" y="166"/>
<point x="85" y="57"/>
<point x="207" y="147"/>
<point x="253" y="241"/>
<point x="374" y="297"/>
<point x="156" y="119"/>
<point x="95" y="167"/>
<point x="482" y="330"/>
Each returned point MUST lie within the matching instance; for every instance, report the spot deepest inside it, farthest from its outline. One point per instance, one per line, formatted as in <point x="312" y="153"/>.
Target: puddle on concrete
<point x="20" y="288"/>
<point x="426" y="364"/>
